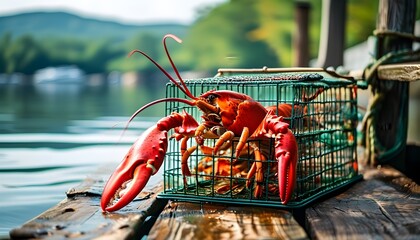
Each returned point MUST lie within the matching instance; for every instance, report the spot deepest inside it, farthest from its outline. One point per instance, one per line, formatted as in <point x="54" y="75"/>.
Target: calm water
<point x="54" y="136"/>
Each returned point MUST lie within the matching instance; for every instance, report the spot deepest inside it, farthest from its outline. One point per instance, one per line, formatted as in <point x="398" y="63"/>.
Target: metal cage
<point x="324" y="127"/>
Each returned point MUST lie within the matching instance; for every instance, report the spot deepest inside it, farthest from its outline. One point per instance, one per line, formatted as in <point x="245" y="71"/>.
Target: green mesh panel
<point x="325" y="129"/>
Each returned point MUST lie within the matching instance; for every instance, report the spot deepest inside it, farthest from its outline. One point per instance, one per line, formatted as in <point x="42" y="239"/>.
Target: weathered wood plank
<point x="182" y="220"/>
<point x="404" y="72"/>
<point x="385" y="206"/>
<point x="79" y="215"/>
<point x="400" y="72"/>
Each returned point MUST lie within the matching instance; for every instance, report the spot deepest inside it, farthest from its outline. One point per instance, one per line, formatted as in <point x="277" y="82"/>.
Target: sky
<point x="124" y="11"/>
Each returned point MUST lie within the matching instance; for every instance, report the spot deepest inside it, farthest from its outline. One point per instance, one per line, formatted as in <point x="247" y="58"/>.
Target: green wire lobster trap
<point x="323" y="119"/>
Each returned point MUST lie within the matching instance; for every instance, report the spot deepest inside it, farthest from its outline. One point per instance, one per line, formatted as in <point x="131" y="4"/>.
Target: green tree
<point x="24" y="55"/>
<point x="224" y="35"/>
<point x="98" y="54"/>
<point x="146" y="42"/>
<point x="223" y="38"/>
<point x="5" y="42"/>
<point x="361" y="20"/>
<point x="238" y="33"/>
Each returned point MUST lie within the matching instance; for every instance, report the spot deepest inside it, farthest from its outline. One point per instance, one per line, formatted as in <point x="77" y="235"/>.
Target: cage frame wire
<point x="311" y="180"/>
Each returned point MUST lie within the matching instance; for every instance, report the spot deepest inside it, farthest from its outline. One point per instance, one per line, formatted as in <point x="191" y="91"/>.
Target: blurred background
<point x="67" y="86"/>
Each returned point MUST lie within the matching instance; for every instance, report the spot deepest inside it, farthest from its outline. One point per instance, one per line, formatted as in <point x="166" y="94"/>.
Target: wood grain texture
<point x="399" y="72"/>
<point x="79" y="216"/>
<point x="385" y="206"/>
<point x="182" y="220"/>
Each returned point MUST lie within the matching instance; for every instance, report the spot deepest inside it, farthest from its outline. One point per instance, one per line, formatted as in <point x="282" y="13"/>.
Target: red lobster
<point x="226" y="114"/>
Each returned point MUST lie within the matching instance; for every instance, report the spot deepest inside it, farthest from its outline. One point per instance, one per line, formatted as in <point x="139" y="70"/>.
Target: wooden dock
<point x="386" y="205"/>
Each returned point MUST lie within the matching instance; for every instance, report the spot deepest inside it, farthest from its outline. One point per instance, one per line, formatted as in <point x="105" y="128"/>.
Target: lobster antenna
<point x="186" y="90"/>
<point x="163" y="70"/>
<point x="182" y="100"/>
<point x="310" y="98"/>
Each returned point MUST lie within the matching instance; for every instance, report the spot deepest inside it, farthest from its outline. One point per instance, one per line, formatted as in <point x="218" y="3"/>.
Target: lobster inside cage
<point x="320" y="108"/>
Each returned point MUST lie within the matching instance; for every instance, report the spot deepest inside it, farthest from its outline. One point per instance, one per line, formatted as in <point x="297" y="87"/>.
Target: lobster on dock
<point x="226" y="115"/>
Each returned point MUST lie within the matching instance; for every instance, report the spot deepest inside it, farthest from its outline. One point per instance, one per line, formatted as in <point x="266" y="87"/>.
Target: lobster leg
<point x="185" y="170"/>
<point x="228" y="136"/>
<point x="185" y="154"/>
<point x="257" y="170"/>
<point x="242" y="141"/>
<point x="144" y="159"/>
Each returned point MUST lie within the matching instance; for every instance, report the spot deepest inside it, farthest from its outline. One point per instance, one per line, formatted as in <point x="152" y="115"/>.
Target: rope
<point x="401" y="56"/>
<point x="386" y="33"/>
<point x="376" y="151"/>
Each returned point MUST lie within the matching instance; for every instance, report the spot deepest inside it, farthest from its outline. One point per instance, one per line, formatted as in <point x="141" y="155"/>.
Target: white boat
<point x="63" y="74"/>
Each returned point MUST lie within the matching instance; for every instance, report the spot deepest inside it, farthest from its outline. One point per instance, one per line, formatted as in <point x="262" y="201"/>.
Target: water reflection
<point x="49" y="107"/>
<point x="54" y="135"/>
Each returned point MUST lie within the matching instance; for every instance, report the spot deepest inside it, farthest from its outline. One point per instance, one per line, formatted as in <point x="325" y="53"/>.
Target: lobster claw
<point x="286" y="152"/>
<point x="114" y="189"/>
<point x="142" y="161"/>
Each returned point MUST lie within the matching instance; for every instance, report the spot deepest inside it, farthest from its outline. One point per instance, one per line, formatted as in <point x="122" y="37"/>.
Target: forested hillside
<point x="243" y="33"/>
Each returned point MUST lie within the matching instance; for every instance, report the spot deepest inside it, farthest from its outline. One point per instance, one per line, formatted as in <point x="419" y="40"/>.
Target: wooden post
<point x="386" y="128"/>
<point x="331" y="45"/>
<point x="301" y="42"/>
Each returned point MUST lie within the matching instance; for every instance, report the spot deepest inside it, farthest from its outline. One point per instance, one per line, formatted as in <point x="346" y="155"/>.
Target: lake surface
<point x="52" y="136"/>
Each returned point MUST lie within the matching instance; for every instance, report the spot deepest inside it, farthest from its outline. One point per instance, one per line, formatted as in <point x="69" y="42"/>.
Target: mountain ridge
<point x="63" y="24"/>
